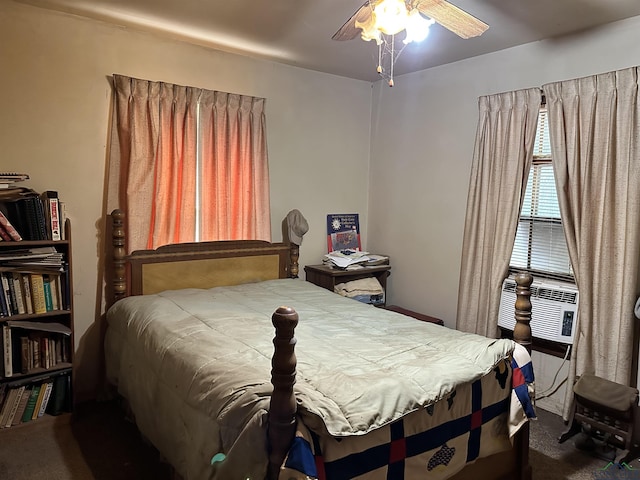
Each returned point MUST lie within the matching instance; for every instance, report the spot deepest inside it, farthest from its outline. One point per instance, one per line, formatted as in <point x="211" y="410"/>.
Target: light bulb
<point x="417" y="27"/>
<point x="390" y="16"/>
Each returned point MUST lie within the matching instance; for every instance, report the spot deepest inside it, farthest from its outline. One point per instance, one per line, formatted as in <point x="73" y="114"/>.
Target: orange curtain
<point x="153" y="171"/>
<point x="235" y="170"/>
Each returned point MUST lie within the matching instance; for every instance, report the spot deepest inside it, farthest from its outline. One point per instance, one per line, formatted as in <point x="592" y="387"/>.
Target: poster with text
<point x="343" y="232"/>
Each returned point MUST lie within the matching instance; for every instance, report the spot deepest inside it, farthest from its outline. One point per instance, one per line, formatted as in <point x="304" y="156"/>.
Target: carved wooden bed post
<point x="119" y="283"/>
<point x="522" y="329"/>
<point x="294" y="255"/>
<point x="522" y="335"/>
<point x="281" y="427"/>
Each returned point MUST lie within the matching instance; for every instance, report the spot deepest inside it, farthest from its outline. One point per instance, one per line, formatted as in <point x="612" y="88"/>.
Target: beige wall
<point x="54" y="110"/>
<point x="423" y="132"/>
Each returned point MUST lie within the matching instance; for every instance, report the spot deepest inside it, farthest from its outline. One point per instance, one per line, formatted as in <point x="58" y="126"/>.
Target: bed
<point x="368" y="393"/>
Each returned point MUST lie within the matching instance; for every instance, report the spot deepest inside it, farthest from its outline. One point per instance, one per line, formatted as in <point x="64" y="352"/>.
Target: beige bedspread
<point x="195" y="367"/>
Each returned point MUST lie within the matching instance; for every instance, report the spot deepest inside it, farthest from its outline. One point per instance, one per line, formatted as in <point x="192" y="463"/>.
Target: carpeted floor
<point x="554" y="461"/>
<point x="99" y="444"/>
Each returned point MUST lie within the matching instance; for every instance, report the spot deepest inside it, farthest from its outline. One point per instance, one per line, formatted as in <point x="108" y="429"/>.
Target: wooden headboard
<point x="193" y="265"/>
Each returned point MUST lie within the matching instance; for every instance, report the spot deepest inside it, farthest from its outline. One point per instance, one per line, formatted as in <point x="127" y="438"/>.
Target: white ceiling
<point x="298" y="32"/>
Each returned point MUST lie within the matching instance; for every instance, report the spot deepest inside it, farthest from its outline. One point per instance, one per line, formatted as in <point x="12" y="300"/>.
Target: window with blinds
<point x="540" y="246"/>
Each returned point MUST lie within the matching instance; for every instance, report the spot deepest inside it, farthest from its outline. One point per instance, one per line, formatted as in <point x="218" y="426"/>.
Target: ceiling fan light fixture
<point x="381" y="20"/>
<point x="390" y="16"/>
<point x="417" y="27"/>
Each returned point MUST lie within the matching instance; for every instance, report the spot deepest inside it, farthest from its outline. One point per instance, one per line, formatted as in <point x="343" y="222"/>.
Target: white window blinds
<point x="540" y="246"/>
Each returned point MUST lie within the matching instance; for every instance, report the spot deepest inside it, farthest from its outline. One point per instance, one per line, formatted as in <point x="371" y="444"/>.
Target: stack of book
<point x="8" y="180"/>
<point x="29" y="347"/>
<point x="28" y="215"/>
<point x="22" y="402"/>
<point x="32" y="281"/>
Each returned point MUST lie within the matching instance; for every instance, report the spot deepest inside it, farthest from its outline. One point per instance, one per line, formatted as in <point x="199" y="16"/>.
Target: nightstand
<point x="327" y="277"/>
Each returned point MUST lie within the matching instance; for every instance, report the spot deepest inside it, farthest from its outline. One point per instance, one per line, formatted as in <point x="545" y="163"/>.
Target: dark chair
<point x="605" y="410"/>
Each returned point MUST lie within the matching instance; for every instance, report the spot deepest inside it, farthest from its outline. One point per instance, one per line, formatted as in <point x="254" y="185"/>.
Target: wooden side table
<point x="326" y="277"/>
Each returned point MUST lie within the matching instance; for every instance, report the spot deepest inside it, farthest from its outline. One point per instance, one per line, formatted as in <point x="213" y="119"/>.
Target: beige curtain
<point x="501" y="162"/>
<point x="595" y="140"/>
<point x="154" y="169"/>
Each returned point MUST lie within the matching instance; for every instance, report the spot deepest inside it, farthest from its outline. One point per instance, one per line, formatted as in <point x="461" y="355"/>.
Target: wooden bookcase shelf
<point x="37" y="348"/>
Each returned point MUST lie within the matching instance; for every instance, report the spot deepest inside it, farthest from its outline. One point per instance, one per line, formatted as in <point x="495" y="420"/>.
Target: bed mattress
<point x="194" y="366"/>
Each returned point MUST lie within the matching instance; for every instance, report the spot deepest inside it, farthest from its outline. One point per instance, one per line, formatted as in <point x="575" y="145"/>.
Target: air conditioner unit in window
<point x="554" y="309"/>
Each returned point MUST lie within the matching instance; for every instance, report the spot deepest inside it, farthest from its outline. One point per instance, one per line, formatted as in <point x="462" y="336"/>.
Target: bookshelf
<point x="36" y="320"/>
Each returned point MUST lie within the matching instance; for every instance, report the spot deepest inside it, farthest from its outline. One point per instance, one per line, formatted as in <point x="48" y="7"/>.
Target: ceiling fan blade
<point x="452" y="18"/>
<point x="349" y="31"/>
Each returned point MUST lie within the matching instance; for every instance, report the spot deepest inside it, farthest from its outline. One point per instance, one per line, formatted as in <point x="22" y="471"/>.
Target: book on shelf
<point x="48" y="298"/>
<point x="24" y="399"/>
<point x="14" y="407"/>
<point x="41" y="395"/>
<point x="52" y="214"/>
<point x="60" y="400"/>
<point x="31" y="402"/>
<point x="36" y="283"/>
<point x="7" y="406"/>
<point x="56" y="291"/>
<point x="26" y="352"/>
<point x="13" y="298"/>
<point x="7" y="351"/>
<point x="16" y="280"/>
<point x="62" y="211"/>
<point x="45" y="398"/>
<point x="5" y="307"/>
<point x="41" y="220"/>
<point x="26" y="290"/>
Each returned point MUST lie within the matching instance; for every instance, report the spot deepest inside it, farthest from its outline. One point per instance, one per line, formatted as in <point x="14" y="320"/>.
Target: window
<point x="540" y="246"/>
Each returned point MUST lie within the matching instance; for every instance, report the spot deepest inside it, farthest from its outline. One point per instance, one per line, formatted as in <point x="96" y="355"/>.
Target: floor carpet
<point x="554" y="461"/>
<point x="97" y="443"/>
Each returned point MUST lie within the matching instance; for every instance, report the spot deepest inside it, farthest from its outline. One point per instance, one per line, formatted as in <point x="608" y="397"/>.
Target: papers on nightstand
<point x="353" y="259"/>
<point x="345" y="258"/>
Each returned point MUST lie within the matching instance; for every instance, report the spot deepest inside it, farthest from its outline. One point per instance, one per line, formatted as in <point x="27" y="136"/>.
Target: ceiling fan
<point x="446" y="14"/>
<point x="381" y="20"/>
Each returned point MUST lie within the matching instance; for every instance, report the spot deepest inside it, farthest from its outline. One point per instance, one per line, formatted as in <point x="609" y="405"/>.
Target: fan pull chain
<point x="393" y="61"/>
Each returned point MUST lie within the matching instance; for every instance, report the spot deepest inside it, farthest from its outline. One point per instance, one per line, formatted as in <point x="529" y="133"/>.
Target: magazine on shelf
<point x="343" y="232"/>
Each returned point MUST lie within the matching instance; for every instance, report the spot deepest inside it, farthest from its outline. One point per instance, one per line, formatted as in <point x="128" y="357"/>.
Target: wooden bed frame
<point x="210" y="264"/>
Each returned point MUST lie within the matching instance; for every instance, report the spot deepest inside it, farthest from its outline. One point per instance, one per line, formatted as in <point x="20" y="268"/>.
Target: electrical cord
<point x="553" y="388"/>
